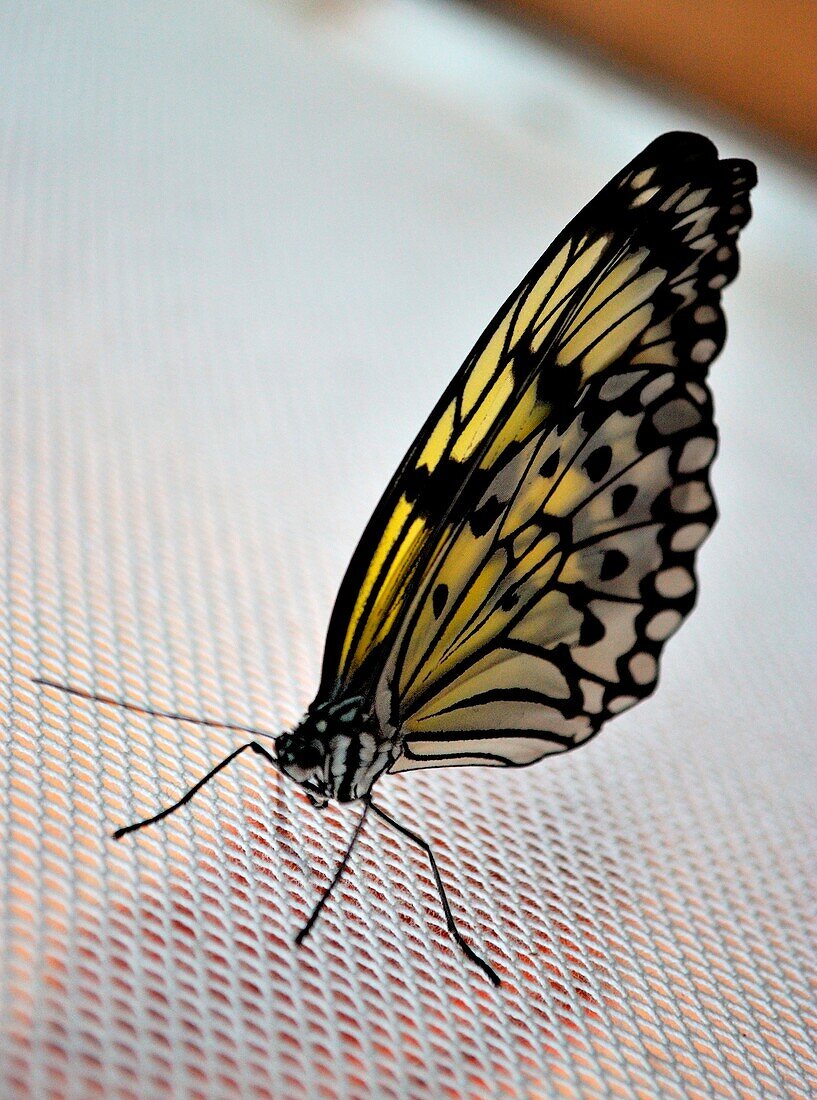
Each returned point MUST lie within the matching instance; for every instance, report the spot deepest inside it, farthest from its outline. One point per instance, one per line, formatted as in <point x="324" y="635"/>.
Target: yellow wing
<point x="604" y="294"/>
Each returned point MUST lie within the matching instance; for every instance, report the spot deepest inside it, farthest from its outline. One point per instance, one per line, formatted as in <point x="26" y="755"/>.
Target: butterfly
<point x="535" y="549"/>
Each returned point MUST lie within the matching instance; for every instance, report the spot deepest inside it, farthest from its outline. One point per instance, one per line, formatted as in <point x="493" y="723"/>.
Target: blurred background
<point x="246" y="244"/>
<point x="753" y="59"/>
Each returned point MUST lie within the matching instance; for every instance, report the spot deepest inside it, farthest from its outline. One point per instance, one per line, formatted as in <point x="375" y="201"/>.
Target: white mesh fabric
<point x="244" y="248"/>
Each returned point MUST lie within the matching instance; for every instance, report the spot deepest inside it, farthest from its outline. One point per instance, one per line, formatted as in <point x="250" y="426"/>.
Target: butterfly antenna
<point x="125" y="705"/>
<point x="416" y="839"/>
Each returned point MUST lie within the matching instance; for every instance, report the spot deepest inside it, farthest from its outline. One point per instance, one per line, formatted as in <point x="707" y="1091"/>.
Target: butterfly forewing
<point x="582" y="305"/>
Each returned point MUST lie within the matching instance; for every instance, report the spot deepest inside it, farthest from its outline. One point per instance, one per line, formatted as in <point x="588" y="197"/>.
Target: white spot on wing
<point x="655" y="388"/>
<point x="693" y="199"/>
<point x="696" y="392"/>
<point x="616" y="706"/>
<point x="696" y="454"/>
<point x="642" y="178"/>
<point x="689" y="537"/>
<point x="675" y="416"/>
<point x="593" y="693"/>
<point x="644" y="197"/>
<point x="663" y="624"/>
<point x="690" y="498"/>
<point x="703" y="350"/>
<point x="674" y="582"/>
<point x="643" y="668"/>
<point x="618" y="384"/>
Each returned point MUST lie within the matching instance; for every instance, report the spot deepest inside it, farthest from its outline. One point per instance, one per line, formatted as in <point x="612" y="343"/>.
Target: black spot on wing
<point x="509" y="601"/>
<point x="623" y="498"/>
<point x="432" y="491"/>
<point x="483" y="519"/>
<point x="438" y="599"/>
<point x="597" y="464"/>
<point x="550" y="465"/>
<point x="592" y="629"/>
<point x="613" y="565"/>
<point x="416" y="481"/>
<point x="560" y="388"/>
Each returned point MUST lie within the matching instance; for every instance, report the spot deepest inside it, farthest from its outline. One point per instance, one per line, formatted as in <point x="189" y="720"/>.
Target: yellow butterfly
<point x="535" y="549"/>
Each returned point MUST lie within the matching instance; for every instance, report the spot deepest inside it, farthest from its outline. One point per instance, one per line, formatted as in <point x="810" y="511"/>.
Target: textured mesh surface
<point x="244" y="248"/>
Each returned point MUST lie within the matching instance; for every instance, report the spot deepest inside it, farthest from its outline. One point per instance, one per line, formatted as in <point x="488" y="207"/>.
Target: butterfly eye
<point x="301" y="750"/>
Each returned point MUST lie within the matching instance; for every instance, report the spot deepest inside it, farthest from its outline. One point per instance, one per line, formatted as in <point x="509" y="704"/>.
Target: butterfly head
<point x="301" y="755"/>
<point x="334" y="752"/>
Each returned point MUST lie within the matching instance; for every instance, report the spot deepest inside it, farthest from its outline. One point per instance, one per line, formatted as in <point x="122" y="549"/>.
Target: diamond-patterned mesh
<point x="240" y="261"/>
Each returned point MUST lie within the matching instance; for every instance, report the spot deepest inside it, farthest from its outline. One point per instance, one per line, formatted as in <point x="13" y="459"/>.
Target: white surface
<point x="245" y="246"/>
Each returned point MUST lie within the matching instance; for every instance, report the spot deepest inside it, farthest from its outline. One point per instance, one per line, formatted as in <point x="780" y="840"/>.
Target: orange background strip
<point x="754" y="58"/>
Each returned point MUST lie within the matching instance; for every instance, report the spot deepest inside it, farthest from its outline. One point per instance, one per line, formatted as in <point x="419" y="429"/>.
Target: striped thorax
<point x="337" y="751"/>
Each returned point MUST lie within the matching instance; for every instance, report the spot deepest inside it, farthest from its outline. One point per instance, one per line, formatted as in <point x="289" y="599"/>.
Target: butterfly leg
<point x="322" y="900"/>
<point x="449" y="916"/>
<point x="196" y="788"/>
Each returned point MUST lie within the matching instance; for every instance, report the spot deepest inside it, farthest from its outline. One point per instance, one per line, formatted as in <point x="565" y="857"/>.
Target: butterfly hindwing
<point x="545" y="604"/>
<point x="584" y="573"/>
